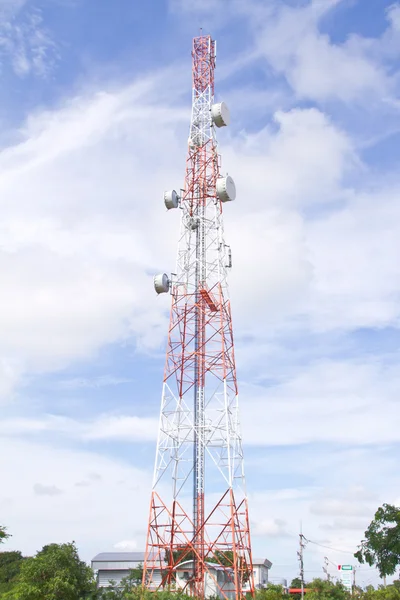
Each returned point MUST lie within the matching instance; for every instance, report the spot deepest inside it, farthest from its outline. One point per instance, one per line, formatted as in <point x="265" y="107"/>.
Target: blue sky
<point x="94" y="114"/>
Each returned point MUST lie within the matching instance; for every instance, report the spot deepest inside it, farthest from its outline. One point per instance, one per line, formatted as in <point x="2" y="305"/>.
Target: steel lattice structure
<point x="205" y="535"/>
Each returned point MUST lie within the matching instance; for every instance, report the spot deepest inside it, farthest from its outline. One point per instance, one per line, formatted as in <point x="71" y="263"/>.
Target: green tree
<point x="369" y="593"/>
<point x="296" y="584"/>
<point x="381" y="546"/>
<point x="272" y="592"/>
<point x="389" y="592"/>
<point x="3" y="534"/>
<point x="226" y="558"/>
<point x="135" y="576"/>
<point x="396" y="584"/>
<point x="126" y="592"/>
<point x="55" y="573"/>
<point x="321" y="589"/>
<point x="112" y="592"/>
<point x="222" y="558"/>
<point x="180" y="554"/>
<point x="10" y="566"/>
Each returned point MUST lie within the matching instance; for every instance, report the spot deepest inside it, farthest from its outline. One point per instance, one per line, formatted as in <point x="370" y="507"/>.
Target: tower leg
<point x="224" y="561"/>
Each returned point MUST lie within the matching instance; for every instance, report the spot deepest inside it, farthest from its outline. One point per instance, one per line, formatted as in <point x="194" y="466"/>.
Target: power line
<point x="291" y="534"/>
<point x="330" y="547"/>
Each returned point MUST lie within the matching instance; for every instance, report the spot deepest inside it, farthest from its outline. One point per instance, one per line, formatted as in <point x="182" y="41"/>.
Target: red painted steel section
<point x="205" y="317"/>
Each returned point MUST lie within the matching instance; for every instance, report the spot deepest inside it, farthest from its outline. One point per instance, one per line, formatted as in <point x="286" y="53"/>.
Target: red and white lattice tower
<point x="198" y="532"/>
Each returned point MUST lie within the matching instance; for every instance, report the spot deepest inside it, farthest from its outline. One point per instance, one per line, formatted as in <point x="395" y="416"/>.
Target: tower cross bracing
<point x="198" y="532"/>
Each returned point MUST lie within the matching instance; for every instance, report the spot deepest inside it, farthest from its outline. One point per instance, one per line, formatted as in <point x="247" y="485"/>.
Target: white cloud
<point x="9" y="7"/>
<point x="346" y="524"/>
<point x="334" y="507"/>
<point x="288" y="36"/>
<point x="87" y="515"/>
<point x="332" y="269"/>
<point x="287" y="163"/>
<point x="393" y="14"/>
<point x="128" y="428"/>
<point x="314" y="66"/>
<point x="46" y="490"/>
<point x="357" y="282"/>
<point x="92" y="383"/>
<point x="24" y="40"/>
<point x="83" y="253"/>
<point x="269" y="527"/>
<point x="192" y="5"/>
<point x="343" y="484"/>
<point x="334" y="396"/>
<point x="78" y="258"/>
<point x="279" y="174"/>
<point x="104" y="427"/>
<point x="9" y="377"/>
<point x="126" y="546"/>
<point x="325" y="402"/>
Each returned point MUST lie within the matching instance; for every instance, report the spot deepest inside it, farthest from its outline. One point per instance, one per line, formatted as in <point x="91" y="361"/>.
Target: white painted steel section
<point x="218" y="432"/>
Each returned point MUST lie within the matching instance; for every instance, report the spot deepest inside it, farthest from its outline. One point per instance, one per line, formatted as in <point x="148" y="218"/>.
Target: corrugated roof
<point x="261" y="561"/>
<point x="119" y="557"/>
<point x="139" y="557"/>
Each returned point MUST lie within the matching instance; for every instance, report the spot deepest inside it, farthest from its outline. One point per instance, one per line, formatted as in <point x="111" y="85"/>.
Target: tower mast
<point x="199" y="541"/>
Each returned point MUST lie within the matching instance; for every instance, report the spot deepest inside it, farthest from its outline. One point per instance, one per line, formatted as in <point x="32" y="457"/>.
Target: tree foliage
<point x="180" y="554"/>
<point x="3" y="534"/>
<point x="390" y="592"/>
<point x="321" y="589"/>
<point x="10" y="566"/>
<point x="55" y="573"/>
<point x="381" y="546"/>
<point x="185" y="553"/>
<point x="222" y="558"/>
<point x="128" y="592"/>
<point x="272" y="592"/>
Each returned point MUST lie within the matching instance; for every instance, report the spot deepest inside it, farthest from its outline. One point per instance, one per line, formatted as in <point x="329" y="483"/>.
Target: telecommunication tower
<point x="198" y="537"/>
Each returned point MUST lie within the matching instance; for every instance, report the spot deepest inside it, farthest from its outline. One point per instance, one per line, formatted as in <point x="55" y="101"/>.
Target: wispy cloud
<point x="25" y="42"/>
<point x="105" y="427"/>
<point x="46" y="490"/>
<point x="92" y="383"/>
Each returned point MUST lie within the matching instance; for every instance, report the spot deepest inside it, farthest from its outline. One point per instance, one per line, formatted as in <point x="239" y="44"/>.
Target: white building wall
<point x="260" y="573"/>
<point x="104" y="578"/>
<point x="116" y="570"/>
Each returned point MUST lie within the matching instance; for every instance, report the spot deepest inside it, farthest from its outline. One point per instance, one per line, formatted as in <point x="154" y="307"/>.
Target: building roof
<point x="119" y="557"/>
<point x="183" y="565"/>
<point x="262" y="561"/>
<point x="139" y="557"/>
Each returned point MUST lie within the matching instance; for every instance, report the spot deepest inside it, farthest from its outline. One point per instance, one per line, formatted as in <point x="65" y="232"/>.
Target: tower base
<point x="213" y="561"/>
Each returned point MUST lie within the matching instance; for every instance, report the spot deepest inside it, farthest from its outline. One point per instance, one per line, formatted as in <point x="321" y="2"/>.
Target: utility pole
<point x="354" y="581"/>
<point x="300" y="555"/>
<point x="325" y="568"/>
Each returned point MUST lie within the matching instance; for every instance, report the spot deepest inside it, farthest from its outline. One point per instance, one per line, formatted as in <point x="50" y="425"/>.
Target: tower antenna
<point x="198" y="538"/>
